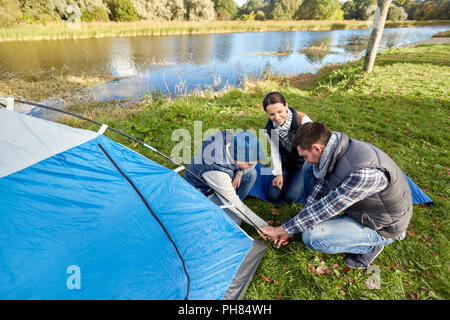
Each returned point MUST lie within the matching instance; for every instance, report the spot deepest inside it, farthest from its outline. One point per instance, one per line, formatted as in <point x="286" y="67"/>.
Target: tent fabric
<point x="259" y="189"/>
<point x="76" y="209"/>
<point x="25" y="140"/>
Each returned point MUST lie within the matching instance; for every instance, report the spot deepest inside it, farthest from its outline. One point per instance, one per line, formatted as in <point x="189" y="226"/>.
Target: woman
<point x="291" y="176"/>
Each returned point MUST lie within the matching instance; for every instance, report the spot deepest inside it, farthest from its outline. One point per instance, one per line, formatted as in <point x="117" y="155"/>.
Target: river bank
<point x="63" y="30"/>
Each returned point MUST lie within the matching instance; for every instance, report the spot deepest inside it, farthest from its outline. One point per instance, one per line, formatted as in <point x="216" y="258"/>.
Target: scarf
<point x="283" y="130"/>
<point x="327" y="154"/>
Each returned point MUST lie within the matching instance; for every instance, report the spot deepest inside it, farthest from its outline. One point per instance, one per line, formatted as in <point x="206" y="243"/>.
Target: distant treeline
<point x="45" y="11"/>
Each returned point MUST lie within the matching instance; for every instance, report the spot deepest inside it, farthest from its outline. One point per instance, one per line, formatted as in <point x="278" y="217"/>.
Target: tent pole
<point x="10" y="106"/>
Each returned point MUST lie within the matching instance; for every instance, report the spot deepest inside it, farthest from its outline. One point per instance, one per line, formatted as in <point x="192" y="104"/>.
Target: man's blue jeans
<point x="343" y="234"/>
<point x="295" y="183"/>
<point x="247" y="182"/>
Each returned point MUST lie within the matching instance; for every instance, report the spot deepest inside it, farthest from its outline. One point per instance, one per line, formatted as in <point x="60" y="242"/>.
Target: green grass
<point x="402" y="107"/>
<point x="62" y="30"/>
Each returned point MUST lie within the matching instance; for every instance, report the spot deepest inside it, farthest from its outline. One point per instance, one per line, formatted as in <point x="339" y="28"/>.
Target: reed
<point x="63" y="30"/>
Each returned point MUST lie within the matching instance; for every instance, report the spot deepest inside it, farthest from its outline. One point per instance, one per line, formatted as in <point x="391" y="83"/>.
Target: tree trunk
<point x="377" y="32"/>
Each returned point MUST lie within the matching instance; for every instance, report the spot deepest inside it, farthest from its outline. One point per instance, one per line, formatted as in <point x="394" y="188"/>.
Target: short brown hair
<point x="310" y="133"/>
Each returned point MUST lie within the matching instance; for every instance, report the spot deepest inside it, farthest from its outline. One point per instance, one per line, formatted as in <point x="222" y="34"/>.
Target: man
<point x="355" y="177"/>
<point x="226" y="163"/>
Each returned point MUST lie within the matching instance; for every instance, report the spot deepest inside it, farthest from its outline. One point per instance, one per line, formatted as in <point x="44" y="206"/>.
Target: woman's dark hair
<point x="273" y="97"/>
<point x="310" y="133"/>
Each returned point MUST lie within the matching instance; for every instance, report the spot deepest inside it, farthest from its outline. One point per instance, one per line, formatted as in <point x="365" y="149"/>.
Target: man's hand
<point x="278" y="181"/>
<point x="276" y="234"/>
<point x="236" y="181"/>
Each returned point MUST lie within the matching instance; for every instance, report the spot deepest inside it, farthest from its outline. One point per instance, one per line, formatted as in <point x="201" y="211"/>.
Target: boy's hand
<point x="236" y="181"/>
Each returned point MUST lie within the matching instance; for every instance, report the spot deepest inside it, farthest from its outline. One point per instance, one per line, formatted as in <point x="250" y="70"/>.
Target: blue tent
<point x="259" y="189"/>
<point x="83" y="217"/>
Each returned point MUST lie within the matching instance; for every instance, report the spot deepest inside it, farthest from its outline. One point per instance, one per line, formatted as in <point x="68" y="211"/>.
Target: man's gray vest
<point x="387" y="212"/>
<point x="211" y="158"/>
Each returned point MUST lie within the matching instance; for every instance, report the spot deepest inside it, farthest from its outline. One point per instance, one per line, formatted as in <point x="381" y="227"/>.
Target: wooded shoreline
<point x="64" y="30"/>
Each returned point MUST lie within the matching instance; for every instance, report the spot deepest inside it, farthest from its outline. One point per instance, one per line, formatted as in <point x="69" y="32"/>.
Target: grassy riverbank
<point x="63" y="30"/>
<point x="402" y="107"/>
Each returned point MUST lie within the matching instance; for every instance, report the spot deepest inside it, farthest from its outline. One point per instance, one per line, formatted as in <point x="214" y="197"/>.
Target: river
<point x="180" y="64"/>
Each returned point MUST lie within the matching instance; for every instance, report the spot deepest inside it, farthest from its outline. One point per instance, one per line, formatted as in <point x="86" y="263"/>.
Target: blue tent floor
<point x="259" y="189"/>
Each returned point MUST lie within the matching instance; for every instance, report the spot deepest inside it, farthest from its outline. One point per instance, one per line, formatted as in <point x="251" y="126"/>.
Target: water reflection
<point x="122" y="58"/>
<point x="179" y="64"/>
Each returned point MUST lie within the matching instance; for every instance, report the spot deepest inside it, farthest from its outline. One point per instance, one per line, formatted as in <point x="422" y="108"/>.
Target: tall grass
<point x="62" y="30"/>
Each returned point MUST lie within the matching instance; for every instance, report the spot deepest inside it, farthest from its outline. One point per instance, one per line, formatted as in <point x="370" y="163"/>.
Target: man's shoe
<point x="362" y="261"/>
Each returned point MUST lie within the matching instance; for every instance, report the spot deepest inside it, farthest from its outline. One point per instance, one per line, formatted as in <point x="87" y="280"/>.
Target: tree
<point x="359" y="9"/>
<point x="429" y="10"/>
<point x="284" y="9"/>
<point x="443" y="12"/>
<point x="375" y="36"/>
<point x="9" y="12"/>
<point x="251" y="5"/>
<point x="396" y="13"/>
<point x="320" y="10"/>
<point x="160" y="9"/>
<point x="122" y="10"/>
<point x="226" y="9"/>
<point x="349" y="8"/>
<point x="365" y="8"/>
<point x="197" y="10"/>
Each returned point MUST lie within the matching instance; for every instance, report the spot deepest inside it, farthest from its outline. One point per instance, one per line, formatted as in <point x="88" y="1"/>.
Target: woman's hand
<point x="278" y="181"/>
<point x="236" y="181"/>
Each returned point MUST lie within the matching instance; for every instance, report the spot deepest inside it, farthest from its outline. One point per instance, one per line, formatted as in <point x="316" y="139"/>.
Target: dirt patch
<point x="306" y="80"/>
<point x="439" y="40"/>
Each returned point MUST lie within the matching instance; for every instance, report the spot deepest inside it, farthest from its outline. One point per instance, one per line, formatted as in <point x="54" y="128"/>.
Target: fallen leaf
<point x="279" y="297"/>
<point x="409" y="233"/>
<point x="322" y="270"/>
<point x="346" y="270"/>
<point x="343" y="293"/>
<point x="266" y="278"/>
<point x="434" y="253"/>
<point x="285" y="267"/>
<point x="275" y="282"/>
<point x="403" y="268"/>
<point x="427" y="238"/>
<point x="349" y="280"/>
<point x="372" y="284"/>
<point x="274" y="211"/>
<point x="311" y="268"/>
<point x="336" y="266"/>
<point x="394" y="265"/>
<point x="412" y="295"/>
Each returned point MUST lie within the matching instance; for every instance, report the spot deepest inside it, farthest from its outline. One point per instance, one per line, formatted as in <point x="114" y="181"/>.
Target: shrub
<point x="122" y="10"/>
<point x="99" y="14"/>
<point x="260" y="15"/>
